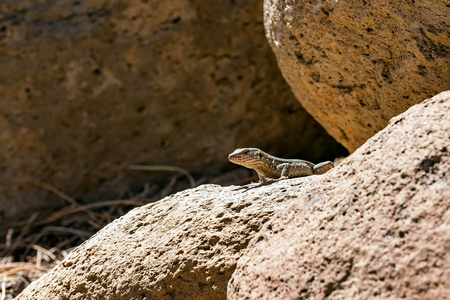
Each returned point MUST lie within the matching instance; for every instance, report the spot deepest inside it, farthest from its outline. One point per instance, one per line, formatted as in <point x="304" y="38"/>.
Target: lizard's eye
<point x="259" y="155"/>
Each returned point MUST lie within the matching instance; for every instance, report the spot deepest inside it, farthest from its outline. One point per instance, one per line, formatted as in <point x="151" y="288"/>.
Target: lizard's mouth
<point x="234" y="157"/>
<point x="242" y="159"/>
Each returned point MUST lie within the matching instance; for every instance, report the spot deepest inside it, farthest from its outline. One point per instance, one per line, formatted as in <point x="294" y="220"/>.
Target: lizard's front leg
<point x="261" y="176"/>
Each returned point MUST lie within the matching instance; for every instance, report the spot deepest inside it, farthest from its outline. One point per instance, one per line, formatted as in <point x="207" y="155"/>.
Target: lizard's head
<point x="246" y="156"/>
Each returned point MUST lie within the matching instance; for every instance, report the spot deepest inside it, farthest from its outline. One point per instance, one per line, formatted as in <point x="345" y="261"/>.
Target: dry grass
<point x="33" y="247"/>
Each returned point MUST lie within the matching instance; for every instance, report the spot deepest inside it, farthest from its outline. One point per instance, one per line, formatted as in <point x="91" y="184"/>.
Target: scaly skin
<point x="269" y="166"/>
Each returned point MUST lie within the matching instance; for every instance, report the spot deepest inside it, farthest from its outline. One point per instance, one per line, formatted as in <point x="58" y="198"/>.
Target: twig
<point x="165" y="168"/>
<point x="9" y="238"/>
<point x="54" y="229"/>
<point x="51" y="189"/>
<point x="65" y="242"/>
<point x="44" y="251"/>
<point x="71" y="210"/>
<point x="14" y="268"/>
<point x="3" y="288"/>
<point x="56" y="191"/>
<point x="65" y="197"/>
<point x="38" y="259"/>
<point x="25" y="229"/>
<point x="168" y="188"/>
<point x="45" y="186"/>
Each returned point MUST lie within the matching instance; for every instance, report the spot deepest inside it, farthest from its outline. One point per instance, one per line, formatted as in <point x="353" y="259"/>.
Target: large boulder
<point x="356" y="64"/>
<point x="375" y="227"/>
<point x="184" y="247"/>
<point x="89" y="87"/>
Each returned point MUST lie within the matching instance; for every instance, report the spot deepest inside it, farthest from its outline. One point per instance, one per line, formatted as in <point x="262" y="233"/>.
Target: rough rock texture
<point x="89" y="87"/>
<point x="356" y="64"/>
<point x="376" y="226"/>
<point x="184" y="247"/>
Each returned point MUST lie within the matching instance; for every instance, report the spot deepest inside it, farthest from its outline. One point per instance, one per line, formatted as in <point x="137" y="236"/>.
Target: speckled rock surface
<point x="184" y="247"/>
<point x="375" y="227"/>
<point x="89" y="87"/>
<point x="356" y="64"/>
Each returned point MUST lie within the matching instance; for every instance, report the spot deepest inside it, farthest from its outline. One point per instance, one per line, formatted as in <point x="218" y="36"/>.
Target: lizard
<point x="269" y="166"/>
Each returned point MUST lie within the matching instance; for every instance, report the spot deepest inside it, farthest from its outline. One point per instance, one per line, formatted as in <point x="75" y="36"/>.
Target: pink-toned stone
<point x="375" y="227"/>
<point x="184" y="247"/>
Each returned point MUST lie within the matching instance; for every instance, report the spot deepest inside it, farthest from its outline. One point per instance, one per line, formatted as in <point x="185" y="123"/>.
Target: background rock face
<point x="355" y="64"/>
<point x="89" y="87"/>
<point x="376" y="226"/>
<point x="183" y="247"/>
